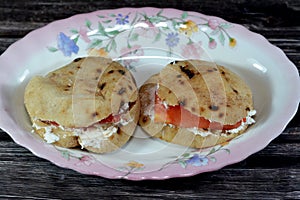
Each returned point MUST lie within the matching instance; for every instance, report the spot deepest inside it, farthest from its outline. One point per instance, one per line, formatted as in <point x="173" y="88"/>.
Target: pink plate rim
<point x="246" y="148"/>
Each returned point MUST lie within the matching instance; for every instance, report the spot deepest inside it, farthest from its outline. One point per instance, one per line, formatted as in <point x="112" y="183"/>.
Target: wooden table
<point x="273" y="173"/>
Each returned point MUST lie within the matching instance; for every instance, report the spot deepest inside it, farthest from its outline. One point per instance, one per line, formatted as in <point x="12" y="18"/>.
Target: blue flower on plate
<point x="122" y="20"/>
<point x="197" y="160"/>
<point x="172" y="39"/>
<point x="66" y="45"/>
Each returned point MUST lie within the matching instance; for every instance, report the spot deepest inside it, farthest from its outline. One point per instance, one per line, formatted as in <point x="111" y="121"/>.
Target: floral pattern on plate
<point x="195" y="158"/>
<point x="101" y="36"/>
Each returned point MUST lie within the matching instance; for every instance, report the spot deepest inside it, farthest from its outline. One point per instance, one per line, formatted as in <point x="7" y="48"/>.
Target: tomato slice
<point x="178" y="116"/>
<point x="50" y="122"/>
<point x="110" y="119"/>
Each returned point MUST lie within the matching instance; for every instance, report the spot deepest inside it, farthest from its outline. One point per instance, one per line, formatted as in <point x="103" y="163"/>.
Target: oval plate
<point x="144" y="40"/>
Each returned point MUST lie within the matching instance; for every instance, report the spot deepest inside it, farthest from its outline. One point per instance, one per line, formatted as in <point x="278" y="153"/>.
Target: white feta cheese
<point x="197" y="131"/>
<point x="50" y="137"/>
<point x="93" y="136"/>
<point x="249" y="121"/>
<point x="123" y="122"/>
<point x="124" y="108"/>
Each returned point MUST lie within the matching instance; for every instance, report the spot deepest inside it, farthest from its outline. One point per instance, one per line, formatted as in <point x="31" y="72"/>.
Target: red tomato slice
<point x="178" y="116"/>
<point x="50" y="122"/>
<point x="110" y="119"/>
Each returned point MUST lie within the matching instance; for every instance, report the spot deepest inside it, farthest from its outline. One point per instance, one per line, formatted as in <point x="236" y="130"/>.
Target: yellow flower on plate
<point x="232" y="42"/>
<point x="134" y="164"/>
<point x="189" y="27"/>
<point x="98" y="52"/>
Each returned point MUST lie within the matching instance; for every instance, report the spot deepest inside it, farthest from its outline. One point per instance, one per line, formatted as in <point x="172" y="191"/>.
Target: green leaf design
<point x="76" y="39"/>
<point x="114" y="45"/>
<point x="227" y="150"/>
<point x="186" y="155"/>
<point x="88" y="24"/>
<point x="135" y="18"/>
<point x="95" y="43"/>
<point x="134" y="37"/>
<point x="65" y="154"/>
<point x="225" y="25"/>
<point x="174" y="24"/>
<point x="155" y="19"/>
<point x="213" y="159"/>
<point x="107" y="21"/>
<point x="52" y="49"/>
<point x="74" y="31"/>
<point x="115" y="32"/>
<point x="166" y="28"/>
<point x="159" y="13"/>
<point x="190" y="41"/>
<point x="101" y="29"/>
<point x="112" y="15"/>
<point x="215" y="32"/>
<point x="222" y="38"/>
<point x="182" y="163"/>
<point x="145" y="16"/>
<point x="213" y="150"/>
<point x="184" y="15"/>
<point x="157" y="37"/>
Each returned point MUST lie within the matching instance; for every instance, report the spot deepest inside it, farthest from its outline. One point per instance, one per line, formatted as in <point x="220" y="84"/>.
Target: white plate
<point x="151" y="38"/>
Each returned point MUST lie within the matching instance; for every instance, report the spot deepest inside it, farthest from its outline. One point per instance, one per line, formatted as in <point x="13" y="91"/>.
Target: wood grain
<point x="273" y="173"/>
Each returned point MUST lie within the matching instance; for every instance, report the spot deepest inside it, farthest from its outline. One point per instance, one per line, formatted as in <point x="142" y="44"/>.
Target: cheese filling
<point x="149" y="111"/>
<point x="90" y="136"/>
<point x="93" y="136"/>
<point x="249" y="120"/>
<point x="50" y="137"/>
<point x="198" y="131"/>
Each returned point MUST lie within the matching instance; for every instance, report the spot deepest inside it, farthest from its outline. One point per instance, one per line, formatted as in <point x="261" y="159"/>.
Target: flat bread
<point x="204" y="89"/>
<point x="80" y="95"/>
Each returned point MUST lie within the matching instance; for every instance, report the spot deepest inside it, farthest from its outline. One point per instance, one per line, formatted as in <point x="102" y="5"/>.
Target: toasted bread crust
<point x="80" y="95"/>
<point x="205" y="89"/>
<point x="192" y="84"/>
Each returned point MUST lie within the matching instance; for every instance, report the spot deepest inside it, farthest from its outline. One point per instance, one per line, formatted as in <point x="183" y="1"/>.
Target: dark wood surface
<point x="273" y="173"/>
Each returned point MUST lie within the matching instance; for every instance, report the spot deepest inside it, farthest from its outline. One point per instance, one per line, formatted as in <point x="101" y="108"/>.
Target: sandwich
<point x="195" y="103"/>
<point x="91" y="103"/>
